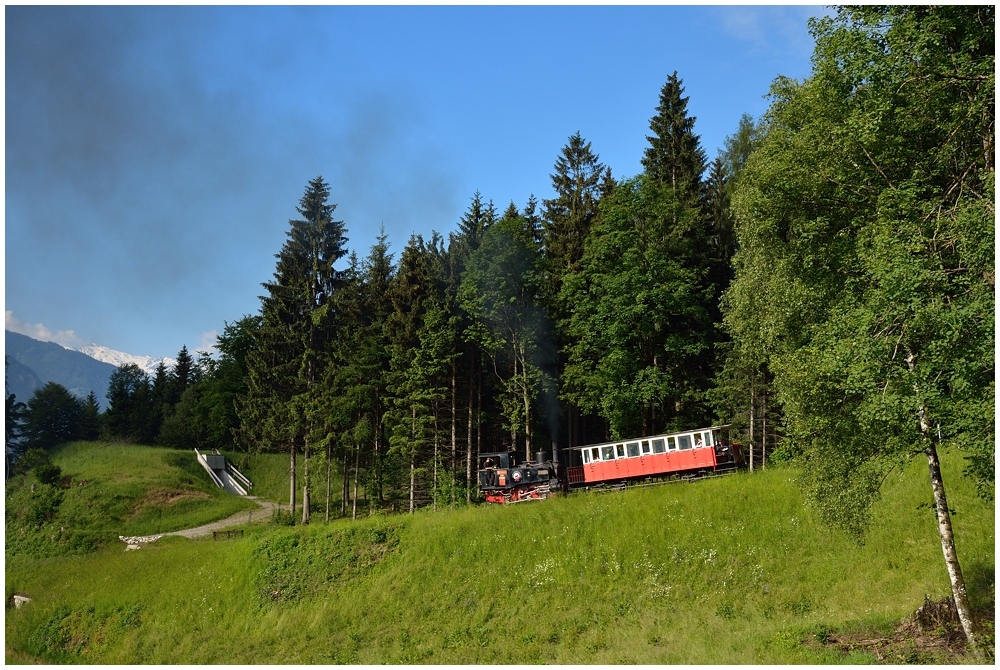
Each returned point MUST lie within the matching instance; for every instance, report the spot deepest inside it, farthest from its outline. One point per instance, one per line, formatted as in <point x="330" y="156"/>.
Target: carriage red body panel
<point x="649" y="465"/>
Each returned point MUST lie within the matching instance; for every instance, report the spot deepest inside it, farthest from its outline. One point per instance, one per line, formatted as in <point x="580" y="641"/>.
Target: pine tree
<point x="90" y="418"/>
<point x="180" y="376"/>
<point x="53" y="416"/>
<point x="675" y="157"/>
<point x="472" y="228"/>
<point x="417" y="334"/>
<point x="14" y="416"/>
<point x="499" y="291"/>
<point x="578" y="180"/>
<point x="130" y="405"/>
<point x="290" y="351"/>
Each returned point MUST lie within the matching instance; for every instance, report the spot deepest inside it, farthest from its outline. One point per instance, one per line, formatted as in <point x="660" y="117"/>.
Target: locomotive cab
<point x="493" y="468"/>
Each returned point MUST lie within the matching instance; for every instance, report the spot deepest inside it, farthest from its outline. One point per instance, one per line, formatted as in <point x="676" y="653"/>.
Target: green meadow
<point x="729" y="570"/>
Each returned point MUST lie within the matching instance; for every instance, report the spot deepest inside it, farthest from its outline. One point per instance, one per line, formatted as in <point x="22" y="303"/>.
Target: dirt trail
<point x="261" y="515"/>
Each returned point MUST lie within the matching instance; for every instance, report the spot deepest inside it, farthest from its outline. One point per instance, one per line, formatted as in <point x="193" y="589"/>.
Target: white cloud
<point x="66" y="338"/>
<point x="770" y="29"/>
<point x="208" y="341"/>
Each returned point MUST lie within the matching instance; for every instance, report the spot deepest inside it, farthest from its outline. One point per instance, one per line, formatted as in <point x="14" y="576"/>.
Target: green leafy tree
<point x="742" y="395"/>
<point x="499" y="290"/>
<point x="865" y="276"/>
<point x="640" y="324"/>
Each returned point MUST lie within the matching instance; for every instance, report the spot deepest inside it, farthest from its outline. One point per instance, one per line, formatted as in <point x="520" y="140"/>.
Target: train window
<point x="671" y="444"/>
<point x="658" y="446"/>
<point x="708" y="438"/>
<point x="620" y="450"/>
<point x="645" y="448"/>
<point x="595" y="454"/>
<point x="683" y="441"/>
<point x="586" y="456"/>
<point x="633" y="449"/>
<point x="608" y="453"/>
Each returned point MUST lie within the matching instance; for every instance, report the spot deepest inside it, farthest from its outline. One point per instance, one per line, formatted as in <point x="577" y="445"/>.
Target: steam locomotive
<point x="505" y="478"/>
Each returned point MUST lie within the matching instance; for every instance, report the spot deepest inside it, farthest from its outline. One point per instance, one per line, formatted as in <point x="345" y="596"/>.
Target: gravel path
<point x="251" y="516"/>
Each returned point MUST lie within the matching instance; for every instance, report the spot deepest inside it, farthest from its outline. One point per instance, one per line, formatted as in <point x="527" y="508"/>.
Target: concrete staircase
<point x="223" y="473"/>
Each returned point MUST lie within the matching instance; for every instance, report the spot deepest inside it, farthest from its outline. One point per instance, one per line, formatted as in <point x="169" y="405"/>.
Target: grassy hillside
<point x="109" y="490"/>
<point x="734" y="570"/>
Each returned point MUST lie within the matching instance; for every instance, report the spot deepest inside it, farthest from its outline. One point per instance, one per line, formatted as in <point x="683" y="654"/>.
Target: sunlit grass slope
<point x="111" y="490"/>
<point x="733" y="570"/>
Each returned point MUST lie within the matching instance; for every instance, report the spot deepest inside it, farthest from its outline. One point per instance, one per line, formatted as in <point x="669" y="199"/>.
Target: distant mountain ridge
<point x="32" y="364"/>
<point x="118" y="358"/>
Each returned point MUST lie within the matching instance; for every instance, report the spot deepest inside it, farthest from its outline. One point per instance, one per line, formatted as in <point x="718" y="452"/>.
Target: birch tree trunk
<point x="763" y="430"/>
<point x="962" y="605"/>
<point x="305" y="485"/>
<point x="345" y="483"/>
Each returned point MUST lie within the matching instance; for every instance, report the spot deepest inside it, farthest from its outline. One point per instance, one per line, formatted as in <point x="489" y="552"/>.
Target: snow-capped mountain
<point x="118" y="358"/>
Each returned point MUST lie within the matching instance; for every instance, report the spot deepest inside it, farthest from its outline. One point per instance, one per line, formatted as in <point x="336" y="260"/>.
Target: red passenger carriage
<point x="699" y="451"/>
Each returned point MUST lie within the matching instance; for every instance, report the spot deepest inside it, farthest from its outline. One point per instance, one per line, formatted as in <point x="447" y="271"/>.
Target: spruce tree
<point x="180" y="375"/>
<point x="53" y="416"/>
<point x="674" y="157"/>
<point x="90" y="419"/>
<point x="290" y="351"/>
<point x="578" y="180"/>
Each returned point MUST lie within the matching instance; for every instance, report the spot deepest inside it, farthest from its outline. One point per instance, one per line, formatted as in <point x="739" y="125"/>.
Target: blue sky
<point x="155" y="155"/>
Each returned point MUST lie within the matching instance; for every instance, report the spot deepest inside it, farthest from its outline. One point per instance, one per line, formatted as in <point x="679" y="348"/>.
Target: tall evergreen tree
<point x="290" y="351"/>
<point x="53" y="416"/>
<point x="180" y="375"/>
<point x="14" y="416"/>
<point x="472" y="228"/>
<point x="130" y="414"/>
<point x="578" y="181"/>
<point x="419" y="363"/>
<point x="90" y="418"/>
<point x="675" y="157"/>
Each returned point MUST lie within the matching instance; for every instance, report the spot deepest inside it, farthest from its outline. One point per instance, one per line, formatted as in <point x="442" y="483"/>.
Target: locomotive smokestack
<point x="555" y="452"/>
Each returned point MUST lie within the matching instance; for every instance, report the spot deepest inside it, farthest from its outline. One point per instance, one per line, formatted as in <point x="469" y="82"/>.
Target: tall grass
<point x="735" y="570"/>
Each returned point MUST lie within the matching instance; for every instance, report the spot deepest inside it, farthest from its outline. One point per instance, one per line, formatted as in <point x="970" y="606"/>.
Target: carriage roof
<point x="651" y="437"/>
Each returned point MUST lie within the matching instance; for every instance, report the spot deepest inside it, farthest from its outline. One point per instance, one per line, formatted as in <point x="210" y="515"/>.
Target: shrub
<point x="48" y="473"/>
